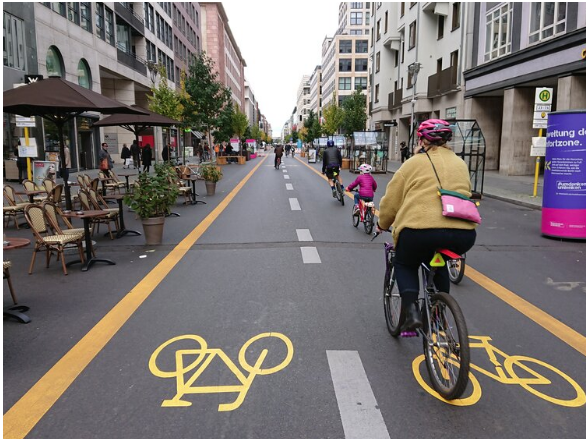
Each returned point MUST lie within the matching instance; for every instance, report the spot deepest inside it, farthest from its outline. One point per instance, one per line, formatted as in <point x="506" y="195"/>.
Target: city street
<point x="261" y="316"/>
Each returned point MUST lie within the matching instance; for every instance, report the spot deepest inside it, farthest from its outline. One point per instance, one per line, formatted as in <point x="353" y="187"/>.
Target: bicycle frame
<point x="363" y="205"/>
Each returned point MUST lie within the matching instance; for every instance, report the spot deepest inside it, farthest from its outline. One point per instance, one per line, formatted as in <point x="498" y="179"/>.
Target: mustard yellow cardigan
<point x="411" y="199"/>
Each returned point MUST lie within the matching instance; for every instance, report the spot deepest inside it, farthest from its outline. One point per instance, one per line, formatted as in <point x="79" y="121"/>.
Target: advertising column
<point x="563" y="212"/>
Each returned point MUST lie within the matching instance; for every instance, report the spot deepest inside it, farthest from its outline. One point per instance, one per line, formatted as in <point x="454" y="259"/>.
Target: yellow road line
<point x="28" y="410"/>
<point x="557" y="328"/>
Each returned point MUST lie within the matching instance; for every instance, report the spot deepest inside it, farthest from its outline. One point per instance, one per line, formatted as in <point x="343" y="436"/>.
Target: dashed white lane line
<point x="310" y="255"/>
<point x="294" y="203"/>
<point x="286" y="177"/>
<point x="284" y="171"/>
<point x="304" y="235"/>
<point x="289" y="186"/>
<point x="361" y="416"/>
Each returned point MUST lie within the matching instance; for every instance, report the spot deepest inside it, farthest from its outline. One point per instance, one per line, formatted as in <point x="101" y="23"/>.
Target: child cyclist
<point x="366" y="183"/>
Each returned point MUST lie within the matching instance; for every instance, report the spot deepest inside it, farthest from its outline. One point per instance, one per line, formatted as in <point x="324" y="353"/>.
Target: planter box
<point x="221" y="161"/>
<point x="302" y="154"/>
<point x="345" y="163"/>
<point x="241" y="160"/>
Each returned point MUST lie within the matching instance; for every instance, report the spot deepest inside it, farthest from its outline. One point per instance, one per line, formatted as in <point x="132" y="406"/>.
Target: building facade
<point x="315" y="92"/>
<point x="303" y="101"/>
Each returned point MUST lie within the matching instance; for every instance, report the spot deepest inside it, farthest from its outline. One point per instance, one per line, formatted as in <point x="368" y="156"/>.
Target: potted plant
<point x="152" y="198"/>
<point x="211" y="174"/>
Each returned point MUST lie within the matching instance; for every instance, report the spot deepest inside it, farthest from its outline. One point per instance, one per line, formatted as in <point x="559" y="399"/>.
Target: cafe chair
<point x="108" y="182"/>
<point x="54" y="195"/>
<point x="35" y="217"/>
<point x="55" y="219"/>
<point x="49" y="184"/>
<point x="121" y="184"/>
<point x="6" y="270"/>
<point x="15" y="206"/>
<point x="183" y="188"/>
<point x="88" y="203"/>
<point x="32" y="186"/>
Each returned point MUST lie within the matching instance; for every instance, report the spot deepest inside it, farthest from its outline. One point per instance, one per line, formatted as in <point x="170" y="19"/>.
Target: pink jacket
<point x="367" y="185"/>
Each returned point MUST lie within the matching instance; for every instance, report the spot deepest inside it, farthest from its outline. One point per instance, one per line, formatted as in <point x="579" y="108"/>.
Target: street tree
<point x="334" y="116"/>
<point x="223" y="131"/>
<point x="239" y="123"/>
<point x="313" y="127"/>
<point x="354" y="113"/>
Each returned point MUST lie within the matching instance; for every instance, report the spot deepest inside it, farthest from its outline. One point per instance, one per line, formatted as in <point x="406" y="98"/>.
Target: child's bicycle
<point x="444" y="331"/>
<point x="364" y="213"/>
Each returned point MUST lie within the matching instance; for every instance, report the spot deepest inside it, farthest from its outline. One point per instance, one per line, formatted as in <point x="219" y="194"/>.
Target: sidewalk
<point x="515" y="189"/>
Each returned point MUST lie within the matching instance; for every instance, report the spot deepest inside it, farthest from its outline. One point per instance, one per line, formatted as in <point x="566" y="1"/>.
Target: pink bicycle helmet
<point x="435" y="130"/>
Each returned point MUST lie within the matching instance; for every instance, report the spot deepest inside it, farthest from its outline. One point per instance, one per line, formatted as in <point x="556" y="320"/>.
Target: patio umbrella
<point x="59" y="101"/>
<point x="137" y="123"/>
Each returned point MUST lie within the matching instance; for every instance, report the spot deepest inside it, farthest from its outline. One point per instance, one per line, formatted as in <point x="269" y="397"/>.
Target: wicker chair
<point x="32" y="186"/>
<point x="89" y="201"/>
<point x="108" y="182"/>
<point x="15" y="206"/>
<point x="35" y="217"/>
<point x="55" y="219"/>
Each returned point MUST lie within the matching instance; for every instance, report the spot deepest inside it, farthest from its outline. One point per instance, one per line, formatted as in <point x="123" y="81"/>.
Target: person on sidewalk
<point x="105" y="160"/>
<point x="147" y="157"/>
<point x="404" y="151"/>
<point x="65" y="169"/>
<point x="135" y="152"/>
<point x="165" y="153"/>
<point x="412" y="206"/>
<point x="125" y="155"/>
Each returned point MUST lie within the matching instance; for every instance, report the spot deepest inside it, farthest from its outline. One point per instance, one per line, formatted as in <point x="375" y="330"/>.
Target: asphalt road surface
<point x="262" y="317"/>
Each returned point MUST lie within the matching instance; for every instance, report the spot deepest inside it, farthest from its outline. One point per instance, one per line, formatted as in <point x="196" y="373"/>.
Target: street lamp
<point x="413" y="69"/>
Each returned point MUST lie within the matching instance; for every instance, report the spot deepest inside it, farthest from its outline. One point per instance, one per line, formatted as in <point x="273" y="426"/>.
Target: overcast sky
<point x="280" y="42"/>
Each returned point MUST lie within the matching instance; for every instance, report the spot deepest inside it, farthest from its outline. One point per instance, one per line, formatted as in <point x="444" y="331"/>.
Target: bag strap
<point x="434" y="171"/>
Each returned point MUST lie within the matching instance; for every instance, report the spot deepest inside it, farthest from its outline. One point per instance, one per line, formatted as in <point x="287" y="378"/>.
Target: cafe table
<point x="123" y="230"/>
<point x="126" y="175"/>
<point x="193" y="178"/>
<point x="87" y="216"/>
<point x="31" y="194"/>
<point x="17" y="311"/>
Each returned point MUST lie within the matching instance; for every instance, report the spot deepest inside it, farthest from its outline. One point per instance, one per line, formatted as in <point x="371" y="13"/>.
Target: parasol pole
<point x="59" y="122"/>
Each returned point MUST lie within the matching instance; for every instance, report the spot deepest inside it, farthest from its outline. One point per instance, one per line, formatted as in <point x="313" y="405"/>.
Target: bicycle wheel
<point x="355" y="217"/>
<point x="394" y="315"/>
<point x="339" y="193"/>
<point x="446" y="348"/>
<point x="456" y="269"/>
<point x="368" y="221"/>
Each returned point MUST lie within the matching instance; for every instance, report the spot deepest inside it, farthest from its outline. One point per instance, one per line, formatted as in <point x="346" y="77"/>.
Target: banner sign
<point x="564" y="186"/>
<point x="42" y="170"/>
<point x="235" y="144"/>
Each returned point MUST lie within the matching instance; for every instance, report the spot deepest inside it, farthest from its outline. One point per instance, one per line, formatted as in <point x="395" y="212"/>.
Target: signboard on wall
<point x="43" y="170"/>
<point x="112" y="140"/>
<point x="235" y="144"/>
<point x="27" y="151"/>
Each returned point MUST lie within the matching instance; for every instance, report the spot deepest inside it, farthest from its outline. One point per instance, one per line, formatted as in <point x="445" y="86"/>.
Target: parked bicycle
<point x="365" y="214"/>
<point x="444" y="332"/>
<point x="338" y="188"/>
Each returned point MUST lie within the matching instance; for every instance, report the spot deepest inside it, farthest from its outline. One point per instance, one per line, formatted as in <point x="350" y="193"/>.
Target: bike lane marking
<point x="294" y="204"/>
<point x="22" y="417"/>
<point x="310" y="255"/>
<point x="562" y="331"/>
<point x="360" y="413"/>
<point x="286" y="177"/>
<point x="289" y="186"/>
<point x="304" y="235"/>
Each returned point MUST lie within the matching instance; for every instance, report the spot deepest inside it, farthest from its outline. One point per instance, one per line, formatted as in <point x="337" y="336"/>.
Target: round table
<point x="15" y="243"/>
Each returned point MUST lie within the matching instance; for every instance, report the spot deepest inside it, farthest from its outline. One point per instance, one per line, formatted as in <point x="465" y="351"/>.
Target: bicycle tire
<point x="355" y="217"/>
<point x="448" y="375"/>
<point x="456" y="269"/>
<point x="339" y="193"/>
<point x="368" y="221"/>
<point x="394" y="315"/>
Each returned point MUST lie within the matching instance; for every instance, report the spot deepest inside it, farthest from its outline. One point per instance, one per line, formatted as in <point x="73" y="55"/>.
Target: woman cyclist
<point x="366" y="183"/>
<point x="412" y="206"/>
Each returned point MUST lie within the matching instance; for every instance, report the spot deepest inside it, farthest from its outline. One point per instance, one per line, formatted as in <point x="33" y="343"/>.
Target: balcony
<point x="443" y="82"/>
<point x="395" y="99"/>
<point x="135" y="21"/>
<point x="131" y="60"/>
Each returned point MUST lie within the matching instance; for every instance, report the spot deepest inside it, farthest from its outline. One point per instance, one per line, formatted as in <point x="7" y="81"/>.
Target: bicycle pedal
<point x="409" y="334"/>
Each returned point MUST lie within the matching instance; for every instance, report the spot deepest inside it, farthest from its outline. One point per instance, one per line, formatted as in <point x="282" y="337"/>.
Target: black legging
<point x="418" y="245"/>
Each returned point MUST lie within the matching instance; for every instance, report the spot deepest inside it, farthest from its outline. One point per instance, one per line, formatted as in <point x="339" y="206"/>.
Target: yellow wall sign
<point x="196" y="361"/>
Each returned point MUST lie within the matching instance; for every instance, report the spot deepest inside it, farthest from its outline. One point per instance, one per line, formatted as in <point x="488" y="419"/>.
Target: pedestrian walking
<point x="404" y="152"/>
<point x="65" y="169"/>
<point x="165" y="153"/>
<point x="106" y="162"/>
<point x="21" y="163"/>
<point x="147" y="156"/>
<point x="125" y="155"/>
<point x="135" y="153"/>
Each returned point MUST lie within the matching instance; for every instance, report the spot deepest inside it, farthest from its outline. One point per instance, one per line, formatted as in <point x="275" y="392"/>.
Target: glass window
<point x="498" y="32"/>
<point x="345" y="46"/>
<point x="100" y="25"/>
<point x="361" y="65"/>
<point x="14" y="55"/>
<point x="377" y="62"/>
<point x="123" y="42"/>
<point x="54" y="63"/>
<point x="84" y="76"/>
<point x="73" y="12"/>
<point x="360" y="83"/>
<point x="109" y="28"/>
<point x="361" y="46"/>
<point x="355" y="17"/>
<point x="412" y="34"/>
<point x="376" y="93"/>
<point x="547" y="20"/>
<point x="345" y="65"/>
<point x="58" y="7"/>
<point x="356" y="5"/>
<point x="345" y="83"/>
<point x="355" y="31"/>
<point x="85" y="9"/>
<point x="440" y="26"/>
<point x="455" y="16"/>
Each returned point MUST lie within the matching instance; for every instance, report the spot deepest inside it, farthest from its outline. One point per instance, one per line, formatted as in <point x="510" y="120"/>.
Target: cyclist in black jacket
<point x="332" y="160"/>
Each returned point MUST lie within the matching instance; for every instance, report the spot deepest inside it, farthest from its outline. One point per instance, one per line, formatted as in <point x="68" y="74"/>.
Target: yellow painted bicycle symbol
<point x="514" y="369"/>
<point x="203" y="357"/>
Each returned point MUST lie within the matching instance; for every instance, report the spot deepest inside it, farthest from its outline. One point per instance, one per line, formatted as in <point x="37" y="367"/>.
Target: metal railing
<point x="443" y="82"/>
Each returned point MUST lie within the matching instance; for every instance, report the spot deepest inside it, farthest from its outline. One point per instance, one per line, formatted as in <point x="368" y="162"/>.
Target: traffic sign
<point x="543" y="104"/>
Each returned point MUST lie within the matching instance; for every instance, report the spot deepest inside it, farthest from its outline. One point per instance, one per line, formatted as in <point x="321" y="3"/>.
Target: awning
<point x="197" y="134"/>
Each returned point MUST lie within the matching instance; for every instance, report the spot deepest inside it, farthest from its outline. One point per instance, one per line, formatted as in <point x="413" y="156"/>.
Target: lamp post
<point x="413" y="69"/>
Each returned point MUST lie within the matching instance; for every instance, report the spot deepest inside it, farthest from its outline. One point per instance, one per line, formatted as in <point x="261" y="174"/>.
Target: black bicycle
<point x="339" y="193"/>
<point x="444" y="332"/>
